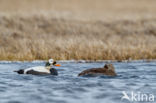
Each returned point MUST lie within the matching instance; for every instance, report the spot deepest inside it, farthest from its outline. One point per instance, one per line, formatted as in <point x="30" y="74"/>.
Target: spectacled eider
<point x="108" y="69"/>
<point x="41" y="70"/>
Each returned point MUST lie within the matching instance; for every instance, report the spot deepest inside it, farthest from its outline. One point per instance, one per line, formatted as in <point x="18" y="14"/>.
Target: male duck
<point x="41" y="70"/>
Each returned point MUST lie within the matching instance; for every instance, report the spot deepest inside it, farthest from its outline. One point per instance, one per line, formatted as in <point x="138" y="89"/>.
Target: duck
<point x="41" y="70"/>
<point x="107" y="70"/>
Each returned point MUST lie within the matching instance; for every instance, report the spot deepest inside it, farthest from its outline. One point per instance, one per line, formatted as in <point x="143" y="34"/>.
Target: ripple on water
<point x="68" y="88"/>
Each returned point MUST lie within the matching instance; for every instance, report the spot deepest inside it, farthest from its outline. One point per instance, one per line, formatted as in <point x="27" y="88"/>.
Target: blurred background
<point x="77" y="29"/>
<point x="82" y="9"/>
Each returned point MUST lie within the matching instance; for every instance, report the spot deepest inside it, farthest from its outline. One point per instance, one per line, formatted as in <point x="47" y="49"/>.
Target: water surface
<point x="68" y="88"/>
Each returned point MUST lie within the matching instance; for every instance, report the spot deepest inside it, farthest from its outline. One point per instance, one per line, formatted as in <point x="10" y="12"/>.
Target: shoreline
<point x="82" y="61"/>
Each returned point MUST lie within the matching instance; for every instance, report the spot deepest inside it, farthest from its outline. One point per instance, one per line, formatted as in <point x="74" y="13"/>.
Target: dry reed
<point x="29" y="38"/>
<point x="102" y="30"/>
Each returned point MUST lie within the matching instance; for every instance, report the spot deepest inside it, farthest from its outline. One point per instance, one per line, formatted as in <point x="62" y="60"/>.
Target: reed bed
<point x="42" y="37"/>
<point x="77" y="29"/>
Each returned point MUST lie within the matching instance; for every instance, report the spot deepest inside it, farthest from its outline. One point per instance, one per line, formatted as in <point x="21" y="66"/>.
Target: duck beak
<point x="57" y="65"/>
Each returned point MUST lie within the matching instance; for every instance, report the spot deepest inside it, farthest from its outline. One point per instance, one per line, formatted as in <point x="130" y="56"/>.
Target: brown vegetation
<point x="29" y="36"/>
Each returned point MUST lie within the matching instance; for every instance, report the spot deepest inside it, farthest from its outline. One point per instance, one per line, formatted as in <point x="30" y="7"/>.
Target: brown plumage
<point x="108" y="69"/>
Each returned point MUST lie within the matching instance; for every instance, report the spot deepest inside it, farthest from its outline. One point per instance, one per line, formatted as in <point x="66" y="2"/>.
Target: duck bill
<point x="58" y="65"/>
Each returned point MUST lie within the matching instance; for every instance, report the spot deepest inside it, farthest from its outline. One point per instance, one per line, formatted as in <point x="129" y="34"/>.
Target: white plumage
<point x="38" y="69"/>
<point x="51" y="61"/>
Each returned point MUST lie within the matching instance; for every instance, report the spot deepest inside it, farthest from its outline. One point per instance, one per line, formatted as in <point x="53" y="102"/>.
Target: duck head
<point x="110" y="69"/>
<point x="51" y="63"/>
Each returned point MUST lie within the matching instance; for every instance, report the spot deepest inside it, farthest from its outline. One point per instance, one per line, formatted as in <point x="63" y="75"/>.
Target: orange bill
<point x="57" y="65"/>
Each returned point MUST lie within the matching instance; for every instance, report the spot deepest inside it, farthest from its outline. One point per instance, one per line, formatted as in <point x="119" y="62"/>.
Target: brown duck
<point x="108" y="69"/>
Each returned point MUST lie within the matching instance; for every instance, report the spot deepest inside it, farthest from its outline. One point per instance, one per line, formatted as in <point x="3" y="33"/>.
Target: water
<point x="68" y="88"/>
